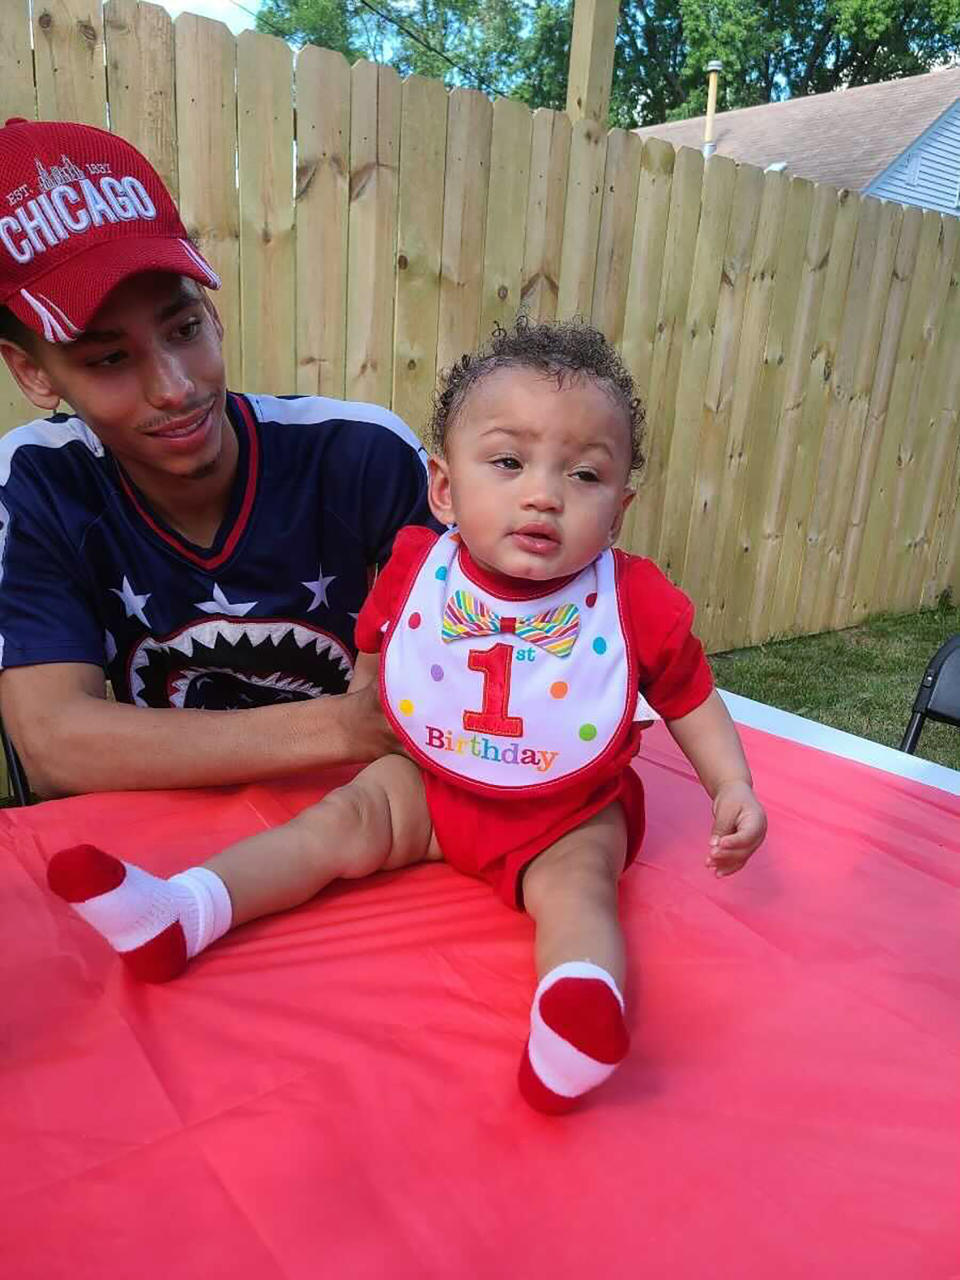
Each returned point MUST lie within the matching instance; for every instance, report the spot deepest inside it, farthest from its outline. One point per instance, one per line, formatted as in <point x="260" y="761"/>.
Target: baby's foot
<point x="155" y="925"/>
<point x="578" y="1036"/>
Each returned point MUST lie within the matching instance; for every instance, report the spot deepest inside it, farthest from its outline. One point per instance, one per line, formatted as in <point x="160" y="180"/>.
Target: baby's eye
<point x="584" y="473"/>
<point x="507" y="463"/>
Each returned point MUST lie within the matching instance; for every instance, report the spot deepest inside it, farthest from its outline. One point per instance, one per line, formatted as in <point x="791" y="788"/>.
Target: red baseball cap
<point x="80" y="211"/>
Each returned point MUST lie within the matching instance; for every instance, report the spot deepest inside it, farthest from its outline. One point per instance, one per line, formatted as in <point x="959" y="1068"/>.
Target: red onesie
<point x="487" y="827"/>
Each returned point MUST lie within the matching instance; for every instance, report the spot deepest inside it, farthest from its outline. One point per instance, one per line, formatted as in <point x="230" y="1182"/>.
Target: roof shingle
<point x="846" y="138"/>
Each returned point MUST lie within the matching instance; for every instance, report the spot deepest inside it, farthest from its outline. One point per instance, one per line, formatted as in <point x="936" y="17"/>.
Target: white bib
<point x="497" y="710"/>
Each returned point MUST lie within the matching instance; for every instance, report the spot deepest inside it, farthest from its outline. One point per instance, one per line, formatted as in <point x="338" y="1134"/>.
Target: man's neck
<point x="194" y="505"/>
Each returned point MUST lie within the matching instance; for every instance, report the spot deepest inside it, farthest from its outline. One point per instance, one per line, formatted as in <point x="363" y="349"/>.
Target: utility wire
<point x="418" y="39"/>
<point x="407" y="31"/>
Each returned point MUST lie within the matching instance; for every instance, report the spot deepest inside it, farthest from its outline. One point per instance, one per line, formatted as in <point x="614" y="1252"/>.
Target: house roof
<point x="847" y="137"/>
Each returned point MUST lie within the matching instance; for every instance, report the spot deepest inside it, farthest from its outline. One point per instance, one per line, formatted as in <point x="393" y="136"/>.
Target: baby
<point x="519" y="657"/>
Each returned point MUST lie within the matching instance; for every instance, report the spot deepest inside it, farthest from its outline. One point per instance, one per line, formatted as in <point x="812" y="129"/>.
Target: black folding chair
<point x="938" y="697"/>
<point x="17" y="778"/>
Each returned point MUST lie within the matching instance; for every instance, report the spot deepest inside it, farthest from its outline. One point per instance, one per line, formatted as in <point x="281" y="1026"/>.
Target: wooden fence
<point x="796" y="345"/>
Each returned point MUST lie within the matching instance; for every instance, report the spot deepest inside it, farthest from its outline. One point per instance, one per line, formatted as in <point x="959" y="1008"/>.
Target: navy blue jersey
<point x="88" y="573"/>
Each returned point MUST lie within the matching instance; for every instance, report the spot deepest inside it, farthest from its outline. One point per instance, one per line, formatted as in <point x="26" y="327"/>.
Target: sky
<point x="227" y="11"/>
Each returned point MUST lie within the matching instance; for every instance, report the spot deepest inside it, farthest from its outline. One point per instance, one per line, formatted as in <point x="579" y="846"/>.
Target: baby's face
<point x="535" y="475"/>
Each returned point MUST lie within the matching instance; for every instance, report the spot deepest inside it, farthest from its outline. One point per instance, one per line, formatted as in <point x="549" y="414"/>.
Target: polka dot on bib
<point x="559" y="689"/>
<point x="599" y="645"/>
<point x="587" y="731"/>
<point x="405" y="707"/>
<point x="441" y="573"/>
<point x="591" y="600"/>
<point x="414" y="621"/>
<point x="436" y="672"/>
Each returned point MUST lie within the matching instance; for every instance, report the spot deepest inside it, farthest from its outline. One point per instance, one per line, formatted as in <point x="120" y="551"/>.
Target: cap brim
<point x="61" y="304"/>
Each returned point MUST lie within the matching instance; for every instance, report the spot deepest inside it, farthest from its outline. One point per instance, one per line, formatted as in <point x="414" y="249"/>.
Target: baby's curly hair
<point x="571" y="348"/>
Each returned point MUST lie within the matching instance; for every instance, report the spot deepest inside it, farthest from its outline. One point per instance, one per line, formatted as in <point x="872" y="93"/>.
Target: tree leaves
<point x="770" y="51"/>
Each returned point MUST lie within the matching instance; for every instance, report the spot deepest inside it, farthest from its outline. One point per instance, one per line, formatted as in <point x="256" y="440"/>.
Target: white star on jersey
<point x="319" y="589"/>
<point x="132" y="603"/>
<point x="220" y="604"/>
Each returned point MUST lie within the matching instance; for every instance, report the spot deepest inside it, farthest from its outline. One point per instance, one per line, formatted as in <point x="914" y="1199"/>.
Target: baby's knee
<point x="355" y="818"/>
<point x="584" y="870"/>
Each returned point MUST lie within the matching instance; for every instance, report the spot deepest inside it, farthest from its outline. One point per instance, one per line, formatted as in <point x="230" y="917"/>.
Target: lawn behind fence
<point x="863" y="679"/>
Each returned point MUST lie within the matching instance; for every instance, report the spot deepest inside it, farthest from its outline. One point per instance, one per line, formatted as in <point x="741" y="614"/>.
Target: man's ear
<point x="439" y="493"/>
<point x="628" y="497"/>
<point x="30" y="376"/>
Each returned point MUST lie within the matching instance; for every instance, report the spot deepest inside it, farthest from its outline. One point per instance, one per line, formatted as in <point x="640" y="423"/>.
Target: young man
<point x="203" y="550"/>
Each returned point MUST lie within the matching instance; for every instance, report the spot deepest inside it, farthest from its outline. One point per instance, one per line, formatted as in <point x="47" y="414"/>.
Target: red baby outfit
<point x="524" y="701"/>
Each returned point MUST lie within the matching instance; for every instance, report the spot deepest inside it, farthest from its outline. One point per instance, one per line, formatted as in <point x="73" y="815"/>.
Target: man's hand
<point x="739" y="825"/>
<point x="367" y="733"/>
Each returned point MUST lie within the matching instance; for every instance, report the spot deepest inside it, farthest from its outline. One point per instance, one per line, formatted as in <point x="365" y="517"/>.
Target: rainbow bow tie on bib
<point x="555" y="630"/>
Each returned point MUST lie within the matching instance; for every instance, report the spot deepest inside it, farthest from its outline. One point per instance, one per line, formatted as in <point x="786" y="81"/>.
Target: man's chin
<point x="203" y="469"/>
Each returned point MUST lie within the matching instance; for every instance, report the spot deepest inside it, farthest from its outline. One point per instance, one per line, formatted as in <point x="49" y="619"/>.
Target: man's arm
<point x="72" y="739"/>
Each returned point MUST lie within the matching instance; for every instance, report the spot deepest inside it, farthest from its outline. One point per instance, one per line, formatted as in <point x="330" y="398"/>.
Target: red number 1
<point x="493" y="718"/>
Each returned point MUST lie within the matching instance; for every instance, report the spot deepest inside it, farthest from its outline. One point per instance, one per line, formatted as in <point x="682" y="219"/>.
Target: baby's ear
<point x="439" y="493"/>
<point x="628" y="497"/>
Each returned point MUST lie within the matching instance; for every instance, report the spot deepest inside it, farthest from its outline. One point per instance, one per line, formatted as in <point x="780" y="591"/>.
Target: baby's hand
<point x="739" y="825"/>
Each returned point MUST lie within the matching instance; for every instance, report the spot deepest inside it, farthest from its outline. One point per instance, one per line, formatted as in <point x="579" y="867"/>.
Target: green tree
<point x="770" y="51"/>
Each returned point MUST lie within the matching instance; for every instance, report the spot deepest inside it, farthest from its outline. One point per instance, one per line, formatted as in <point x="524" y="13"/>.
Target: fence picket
<point x="641" y="528"/>
<point x="206" y="55"/>
<point x="141" y="82"/>
<point x="546" y="198"/>
<point x="929" y="451"/>
<point x="267" y="266"/>
<point x="371" y="271"/>
<point x="423" y="143"/>
<point x="719" y="181"/>
<point x="615" y="241"/>
<point x="719" y="388"/>
<point x="506" y="210"/>
<point x="68" y="54"/>
<point x="18" y="95"/>
<point x="581" y="219"/>
<point x="896" y="583"/>
<point x="322" y="212"/>
<point x="743" y="429"/>
<point x="469" y="129"/>
<point x="646" y="260"/>
<point x="758" y="476"/>
<point x="871" y="400"/>
<point x="821" y="361"/>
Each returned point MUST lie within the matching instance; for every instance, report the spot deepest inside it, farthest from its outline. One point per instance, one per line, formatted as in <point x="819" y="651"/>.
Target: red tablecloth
<point x="331" y="1093"/>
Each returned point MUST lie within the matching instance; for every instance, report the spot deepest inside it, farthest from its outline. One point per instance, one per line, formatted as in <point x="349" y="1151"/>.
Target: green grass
<point x="862" y="680"/>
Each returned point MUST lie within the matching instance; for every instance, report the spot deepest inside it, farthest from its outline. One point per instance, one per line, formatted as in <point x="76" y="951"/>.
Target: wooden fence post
<point x="590" y="71"/>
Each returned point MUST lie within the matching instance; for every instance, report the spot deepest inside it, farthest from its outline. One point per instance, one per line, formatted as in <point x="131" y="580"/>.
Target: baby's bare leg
<point x="570" y="891"/>
<point x="377" y="822"/>
<point x="577" y="1030"/>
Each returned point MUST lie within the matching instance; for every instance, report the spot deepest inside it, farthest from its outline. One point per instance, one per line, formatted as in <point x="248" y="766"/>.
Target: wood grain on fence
<point x="506" y="210"/>
<point x="322" y="213"/>
<point x="423" y="144"/>
<point x="141" y="79"/>
<point x="466" y="182"/>
<point x="546" y="200"/>
<point x="206" y="71"/>
<point x="68" y="57"/>
<point x="795" y="345"/>
<point x="374" y="171"/>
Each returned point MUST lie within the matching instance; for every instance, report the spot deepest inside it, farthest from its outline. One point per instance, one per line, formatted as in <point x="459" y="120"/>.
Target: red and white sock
<point x="578" y="1036"/>
<point x="155" y="925"/>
